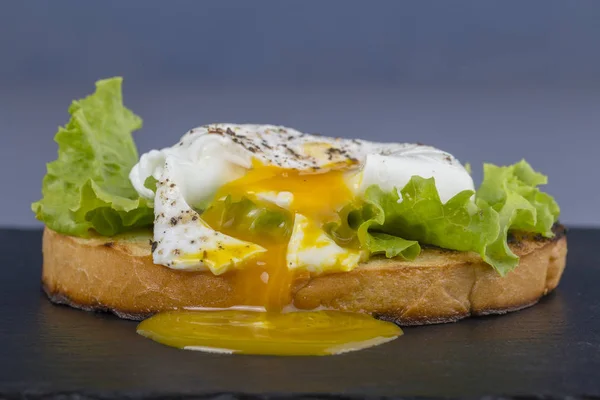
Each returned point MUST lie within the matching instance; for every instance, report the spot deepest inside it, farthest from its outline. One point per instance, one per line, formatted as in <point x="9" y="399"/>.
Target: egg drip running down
<point x="267" y="278"/>
<point x="249" y="203"/>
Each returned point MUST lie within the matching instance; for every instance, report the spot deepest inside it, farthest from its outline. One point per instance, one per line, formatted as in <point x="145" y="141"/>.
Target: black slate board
<point x="54" y="351"/>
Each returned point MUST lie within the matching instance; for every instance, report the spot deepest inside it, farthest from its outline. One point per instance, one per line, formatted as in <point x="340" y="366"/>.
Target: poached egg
<point x="310" y="177"/>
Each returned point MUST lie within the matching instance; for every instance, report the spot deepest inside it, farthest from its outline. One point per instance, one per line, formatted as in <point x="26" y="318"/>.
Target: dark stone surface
<point x="49" y="351"/>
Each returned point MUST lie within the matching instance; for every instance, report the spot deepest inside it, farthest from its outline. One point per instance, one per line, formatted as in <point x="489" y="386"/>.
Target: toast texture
<point x="118" y="275"/>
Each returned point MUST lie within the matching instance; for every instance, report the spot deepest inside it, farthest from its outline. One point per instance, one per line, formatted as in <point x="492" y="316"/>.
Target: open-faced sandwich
<point x="264" y="221"/>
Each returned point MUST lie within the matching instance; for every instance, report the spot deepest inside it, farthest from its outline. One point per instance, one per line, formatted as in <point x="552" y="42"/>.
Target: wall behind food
<point x="488" y="81"/>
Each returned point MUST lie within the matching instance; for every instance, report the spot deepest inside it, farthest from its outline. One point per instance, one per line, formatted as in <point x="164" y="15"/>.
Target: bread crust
<point x="118" y="275"/>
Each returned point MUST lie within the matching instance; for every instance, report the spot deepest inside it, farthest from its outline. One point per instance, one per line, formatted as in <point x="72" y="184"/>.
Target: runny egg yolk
<point x="315" y="195"/>
<point x="266" y="281"/>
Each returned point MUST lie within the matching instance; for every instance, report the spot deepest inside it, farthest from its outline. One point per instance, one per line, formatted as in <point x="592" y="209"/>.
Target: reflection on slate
<point x="552" y="348"/>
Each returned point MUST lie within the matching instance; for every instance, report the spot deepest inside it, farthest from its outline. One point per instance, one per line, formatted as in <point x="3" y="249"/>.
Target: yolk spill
<point x="284" y="334"/>
<point x="316" y="195"/>
<point x="266" y="281"/>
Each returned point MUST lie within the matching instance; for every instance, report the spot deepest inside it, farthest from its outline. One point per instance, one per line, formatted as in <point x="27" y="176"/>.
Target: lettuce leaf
<point x="357" y="227"/>
<point x="417" y="214"/>
<point x="246" y="216"/>
<point x="516" y="187"/>
<point x="512" y="192"/>
<point x="88" y="187"/>
<point x="396" y="222"/>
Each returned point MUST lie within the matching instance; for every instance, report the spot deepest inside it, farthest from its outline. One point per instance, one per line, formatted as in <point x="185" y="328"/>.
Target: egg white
<point x="182" y="240"/>
<point x="311" y="249"/>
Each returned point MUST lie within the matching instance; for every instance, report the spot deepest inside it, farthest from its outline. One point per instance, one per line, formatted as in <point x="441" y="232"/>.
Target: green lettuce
<point x="258" y="220"/>
<point x="396" y="222"/>
<point x="87" y="187"/>
<point x="513" y="193"/>
<point x="358" y="227"/>
<point x="516" y="187"/>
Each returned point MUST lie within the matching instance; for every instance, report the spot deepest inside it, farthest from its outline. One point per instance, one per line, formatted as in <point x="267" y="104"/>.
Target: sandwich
<point x="267" y="217"/>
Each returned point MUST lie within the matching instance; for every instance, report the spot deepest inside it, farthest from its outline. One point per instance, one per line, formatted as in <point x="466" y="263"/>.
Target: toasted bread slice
<point x="118" y="275"/>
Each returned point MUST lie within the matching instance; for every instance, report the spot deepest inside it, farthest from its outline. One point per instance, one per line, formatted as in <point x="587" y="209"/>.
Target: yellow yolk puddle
<point x="266" y="281"/>
<point x="314" y="333"/>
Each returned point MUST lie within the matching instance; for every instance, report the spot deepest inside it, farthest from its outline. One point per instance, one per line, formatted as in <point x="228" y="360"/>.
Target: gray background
<point x="486" y="80"/>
